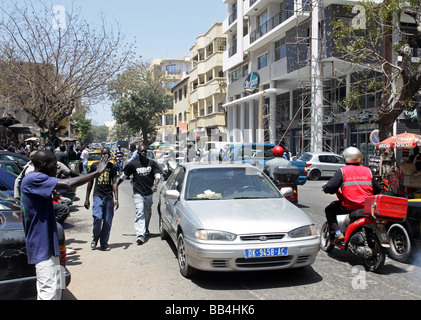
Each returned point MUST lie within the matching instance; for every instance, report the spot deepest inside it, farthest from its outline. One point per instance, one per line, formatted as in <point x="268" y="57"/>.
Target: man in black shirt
<point x="103" y="204"/>
<point x="146" y="175"/>
<point x="62" y="155"/>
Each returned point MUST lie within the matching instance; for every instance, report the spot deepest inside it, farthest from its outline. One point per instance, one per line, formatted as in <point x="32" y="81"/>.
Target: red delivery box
<point x="387" y="207"/>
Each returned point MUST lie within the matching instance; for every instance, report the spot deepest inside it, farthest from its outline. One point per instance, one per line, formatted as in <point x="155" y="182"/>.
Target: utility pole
<point x="316" y="81"/>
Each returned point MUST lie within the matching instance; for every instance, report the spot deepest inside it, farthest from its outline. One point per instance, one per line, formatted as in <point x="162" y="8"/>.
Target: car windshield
<point x="256" y="151"/>
<point x="229" y="183"/>
<point x="95" y="156"/>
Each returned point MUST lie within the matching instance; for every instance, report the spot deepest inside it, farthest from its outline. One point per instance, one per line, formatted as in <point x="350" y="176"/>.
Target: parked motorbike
<point x="365" y="230"/>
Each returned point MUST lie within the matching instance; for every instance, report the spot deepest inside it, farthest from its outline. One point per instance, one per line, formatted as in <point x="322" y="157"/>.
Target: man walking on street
<point x="84" y="157"/>
<point x="103" y="203"/>
<point x="39" y="220"/>
<point x="146" y="175"/>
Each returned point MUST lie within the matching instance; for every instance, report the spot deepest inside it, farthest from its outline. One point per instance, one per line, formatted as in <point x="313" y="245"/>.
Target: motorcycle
<point x="400" y="242"/>
<point x="287" y="177"/>
<point x="365" y="230"/>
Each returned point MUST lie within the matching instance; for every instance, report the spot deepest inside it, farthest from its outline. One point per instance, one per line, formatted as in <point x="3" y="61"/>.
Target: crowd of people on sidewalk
<point x="39" y="186"/>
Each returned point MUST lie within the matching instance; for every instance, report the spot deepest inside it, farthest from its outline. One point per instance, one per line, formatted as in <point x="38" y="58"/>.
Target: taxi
<point x="95" y="156"/>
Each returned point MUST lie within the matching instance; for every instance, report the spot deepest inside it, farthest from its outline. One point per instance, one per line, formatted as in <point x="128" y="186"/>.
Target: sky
<point x="160" y="28"/>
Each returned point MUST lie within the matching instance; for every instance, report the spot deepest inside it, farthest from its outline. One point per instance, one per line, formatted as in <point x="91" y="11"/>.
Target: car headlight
<point x="204" y="234"/>
<point x="305" y="231"/>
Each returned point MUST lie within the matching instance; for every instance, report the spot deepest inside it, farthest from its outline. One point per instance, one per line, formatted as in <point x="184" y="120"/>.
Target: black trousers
<point x="62" y="212"/>
<point x="331" y="211"/>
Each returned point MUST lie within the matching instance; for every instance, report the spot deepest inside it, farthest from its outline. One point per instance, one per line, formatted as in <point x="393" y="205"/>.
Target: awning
<point x="254" y="96"/>
<point x="8" y="121"/>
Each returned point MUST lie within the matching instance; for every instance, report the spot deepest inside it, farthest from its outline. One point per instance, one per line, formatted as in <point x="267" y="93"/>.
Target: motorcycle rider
<point x="277" y="161"/>
<point x="352" y="183"/>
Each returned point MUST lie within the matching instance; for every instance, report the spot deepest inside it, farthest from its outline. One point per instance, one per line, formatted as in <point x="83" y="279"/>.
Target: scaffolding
<point x="309" y="116"/>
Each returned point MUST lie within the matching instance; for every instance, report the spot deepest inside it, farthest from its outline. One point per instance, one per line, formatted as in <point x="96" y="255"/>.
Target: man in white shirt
<point x="84" y="157"/>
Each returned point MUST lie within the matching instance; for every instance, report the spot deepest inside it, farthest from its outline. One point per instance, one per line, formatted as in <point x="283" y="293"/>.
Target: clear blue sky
<point x="162" y="28"/>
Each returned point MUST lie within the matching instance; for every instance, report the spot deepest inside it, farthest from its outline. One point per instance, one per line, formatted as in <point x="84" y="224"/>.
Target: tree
<point x="52" y="60"/>
<point x="84" y="132"/>
<point x="139" y="97"/>
<point x="367" y="44"/>
<point x="100" y="133"/>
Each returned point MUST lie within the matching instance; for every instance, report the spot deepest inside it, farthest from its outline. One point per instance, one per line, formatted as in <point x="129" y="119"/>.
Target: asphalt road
<point x="150" y="271"/>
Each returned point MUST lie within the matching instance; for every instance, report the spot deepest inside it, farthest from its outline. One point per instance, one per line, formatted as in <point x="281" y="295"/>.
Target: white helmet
<point x="352" y="155"/>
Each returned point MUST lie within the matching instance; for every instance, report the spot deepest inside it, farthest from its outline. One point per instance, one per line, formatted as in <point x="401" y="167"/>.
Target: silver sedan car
<point x="231" y="217"/>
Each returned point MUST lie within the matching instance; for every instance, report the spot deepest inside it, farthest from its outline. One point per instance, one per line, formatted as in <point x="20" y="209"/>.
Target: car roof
<point x="322" y="153"/>
<point x="201" y="165"/>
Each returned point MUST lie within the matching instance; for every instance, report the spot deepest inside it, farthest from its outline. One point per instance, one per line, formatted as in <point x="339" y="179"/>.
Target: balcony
<point x="271" y="24"/>
<point x="279" y="23"/>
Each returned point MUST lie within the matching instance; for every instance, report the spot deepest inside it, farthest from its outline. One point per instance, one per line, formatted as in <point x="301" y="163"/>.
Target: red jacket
<point x="356" y="186"/>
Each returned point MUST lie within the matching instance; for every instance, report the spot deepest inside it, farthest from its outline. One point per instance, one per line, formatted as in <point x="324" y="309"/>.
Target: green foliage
<point x="139" y="97"/>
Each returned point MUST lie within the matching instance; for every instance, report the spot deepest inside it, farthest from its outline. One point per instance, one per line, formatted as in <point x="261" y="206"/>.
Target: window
<point x="262" y="61"/>
<point x="245" y="70"/>
<point x="169" y="120"/>
<point x="172" y="69"/>
<point x="235" y="75"/>
<point x="171" y="180"/>
<point x="262" y="22"/>
<point x="280" y="49"/>
<point x="178" y="185"/>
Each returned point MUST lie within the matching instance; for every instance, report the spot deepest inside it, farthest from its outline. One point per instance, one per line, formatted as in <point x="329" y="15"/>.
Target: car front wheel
<point x="183" y="260"/>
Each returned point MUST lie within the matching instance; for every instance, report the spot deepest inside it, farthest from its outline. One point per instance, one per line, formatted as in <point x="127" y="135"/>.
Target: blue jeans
<point x="143" y="205"/>
<point x="103" y="213"/>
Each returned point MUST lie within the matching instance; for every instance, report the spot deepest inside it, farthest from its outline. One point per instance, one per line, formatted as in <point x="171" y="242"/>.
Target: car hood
<point x="245" y="216"/>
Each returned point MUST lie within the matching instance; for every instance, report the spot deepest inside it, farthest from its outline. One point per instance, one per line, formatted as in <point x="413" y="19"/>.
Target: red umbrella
<point x="401" y="141"/>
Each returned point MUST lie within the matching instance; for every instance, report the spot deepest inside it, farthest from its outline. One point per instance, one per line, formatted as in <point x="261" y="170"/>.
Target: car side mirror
<point x="287" y="191"/>
<point x="172" y="194"/>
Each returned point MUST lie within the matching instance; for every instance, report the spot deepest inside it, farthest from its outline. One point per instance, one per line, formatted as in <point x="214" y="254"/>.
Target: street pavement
<point x="150" y="271"/>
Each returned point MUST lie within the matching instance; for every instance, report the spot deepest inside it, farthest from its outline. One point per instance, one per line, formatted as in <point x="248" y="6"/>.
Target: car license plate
<point x="267" y="252"/>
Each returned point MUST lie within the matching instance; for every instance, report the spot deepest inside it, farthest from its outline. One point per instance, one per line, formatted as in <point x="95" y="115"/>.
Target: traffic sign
<point x="375" y="137"/>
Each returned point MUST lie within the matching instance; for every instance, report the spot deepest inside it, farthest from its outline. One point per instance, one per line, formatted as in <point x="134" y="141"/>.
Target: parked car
<point x="17" y="277"/>
<point x="11" y="156"/>
<point x="322" y="164"/>
<point x="257" y="154"/>
<point x="7" y="181"/>
<point x="11" y="166"/>
<point x="211" y="214"/>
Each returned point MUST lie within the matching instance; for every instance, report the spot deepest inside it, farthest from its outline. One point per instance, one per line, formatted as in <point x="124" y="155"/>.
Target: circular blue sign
<point x="375" y="137"/>
<point x="252" y="82"/>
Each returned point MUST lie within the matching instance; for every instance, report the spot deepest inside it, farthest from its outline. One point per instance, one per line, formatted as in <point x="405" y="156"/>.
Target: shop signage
<point x="252" y="82"/>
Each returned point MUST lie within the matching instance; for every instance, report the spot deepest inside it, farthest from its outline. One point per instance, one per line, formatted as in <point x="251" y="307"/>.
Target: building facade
<point x="181" y="100"/>
<point x="174" y="70"/>
<point x="285" y="85"/>
<point x="208" y="87"/>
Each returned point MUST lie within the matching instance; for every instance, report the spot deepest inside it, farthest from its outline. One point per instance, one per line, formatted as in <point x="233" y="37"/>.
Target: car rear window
<point x="306" y="157"/>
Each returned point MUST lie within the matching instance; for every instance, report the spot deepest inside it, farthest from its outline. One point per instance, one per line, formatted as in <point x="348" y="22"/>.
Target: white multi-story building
<point x="284" y="83"/>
